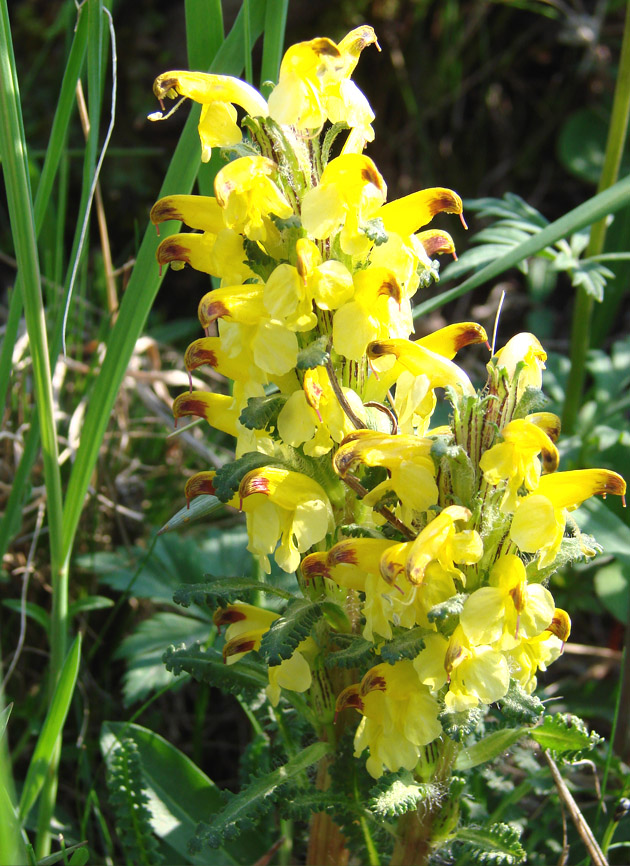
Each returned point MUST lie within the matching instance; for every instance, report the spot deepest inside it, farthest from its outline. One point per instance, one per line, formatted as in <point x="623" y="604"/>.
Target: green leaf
<point x="458" y="726"/>
<point x="254" y="800"/>
<point x="51" y="729"/>
<point x="261" y="413"/>
<point x="4" y="719"/>
<point x="595" y="517"/>
<point x="612" y="587"/>
<point x="374" y="230"/>
<point x="179" y="793"/>
<point x="405" y="645"/>
<point x="32" y="610"/>
<point x="611" y="200"/>
<point x="80" y="856"/>
<point x="488" y="748"/>
<point x="402" y="793"/>
<point x="287" y="632"/>
<point x="582" y="145"/>
<point x="316" y="354"/>
<point x="355" y="653"/>
<point x="219" y="591"/>
<point x="143" y="650"/>
<point x="227" y="480"/>
<point x="497" y="844"/>
<point x="518" y="706"/>
<point x="200" y="507"/>
<point x="566" y="736"/>
<point x="90" y="602"/>
<point x="447" y="612"/>
<point x="249" y="674"/>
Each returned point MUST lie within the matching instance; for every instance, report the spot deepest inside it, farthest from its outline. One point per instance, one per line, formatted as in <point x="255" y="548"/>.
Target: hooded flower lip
<point x="245" y="190"/>
<point x="539" y="521"/>
<point x="522" y="352"/>
<point x="242" y="304"/>
<point x="200" y="484"/>
<point x="419" y="360"/>
<point x="210" y="350"/>
<point x="201" y="212"/>
<point x="217" y="94"/>
<point x="560" y="625"/>
<point x="190" y="248"/>
<point x="406" y="215"/>
<point x="218" y="409"/>
<point x="441" y="541"/>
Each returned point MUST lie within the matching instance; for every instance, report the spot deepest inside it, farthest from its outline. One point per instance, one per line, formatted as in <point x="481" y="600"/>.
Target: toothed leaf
<point x="405" y="645"/>
<point x="316" y="354"/>
<point x="566" y="736"/>
<point x="518" y="706"/>
<point x="355" y="651"/>
<point x="207" y="666"/>
<point x="497" y="844"/>
<point x="219" y="591"/>
<point x="252" y="802"/>
<point x="488" y="748"/>
<point x="289" y="630"/>
<point x="261" y="413"/>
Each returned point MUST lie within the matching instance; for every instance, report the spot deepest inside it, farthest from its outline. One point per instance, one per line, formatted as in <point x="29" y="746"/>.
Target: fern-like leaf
<point x="261" y="413"/>
<point x="518" y="706"/>
<point x="249" y="675"/>
<point x="219" y="591"/>
<point x="405" y="645"/>
<point x="355" y="652"/>
<point x="401" y="792"/>
<point x="252" y="802"/>
<point x="567" y="737"/>
<point x="289" y="630"/>
<point x="129" y="800"/>
<point x="497" y="844"/>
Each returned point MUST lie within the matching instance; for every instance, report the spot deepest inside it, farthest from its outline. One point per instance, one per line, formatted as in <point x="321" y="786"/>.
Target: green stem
<point x="583" y="309"/>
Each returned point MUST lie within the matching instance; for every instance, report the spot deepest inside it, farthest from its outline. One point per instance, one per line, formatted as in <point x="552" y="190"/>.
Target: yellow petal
<point x="197" y="211"/>
<point x="406" y="215"/>
<point x="206" y="88"/>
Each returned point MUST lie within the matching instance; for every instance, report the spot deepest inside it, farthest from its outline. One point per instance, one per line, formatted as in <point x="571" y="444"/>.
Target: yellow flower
<point x="419" y="360"/>
<point x="313" y="417"/>
<point x="539" y="521"/>
<point x="399" y="717"/>
<point x="247" y="625"/>
<point x="248" y="195"/>
<point x="217" y="94"/>
<point x="523" y="359"/>
<point x="537" y="653"/>
<point x="350" y="192"/>
<point x="475" y="674"/>
<point x="242" y="304"/>
<point x="411" y="468"/>
<point x="515" y="460"/>
<point x="315" y="84"/>
<point x="441" y="542"/>
<point x="509" y="609"/>
<point x="283" y="506"/>
<point x="377" y="310"/>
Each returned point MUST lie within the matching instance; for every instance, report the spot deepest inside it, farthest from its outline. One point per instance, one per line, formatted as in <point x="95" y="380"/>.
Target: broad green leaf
<point x="255" y="798"/>
<point x="52" y="729"/>
<point x="565" y="735"/>
<point x="612" y="586"/>
<point x="143" y="650"/>
<point x="180" y="794"/>
<point x="596" y="517"/>
<point x="488" y="748"/>
<point x="80" y="855"/>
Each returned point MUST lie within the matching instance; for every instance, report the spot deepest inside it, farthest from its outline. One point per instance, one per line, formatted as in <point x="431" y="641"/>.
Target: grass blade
<point x="51" y="730"/>
<point x="204" y="31"/>
<point x="273" y="44"/>
<point x="609" y="201"/>
<point x="141" y="291"/>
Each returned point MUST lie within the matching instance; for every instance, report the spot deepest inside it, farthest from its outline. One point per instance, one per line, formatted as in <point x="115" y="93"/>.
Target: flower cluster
<point x="448" y="531"/>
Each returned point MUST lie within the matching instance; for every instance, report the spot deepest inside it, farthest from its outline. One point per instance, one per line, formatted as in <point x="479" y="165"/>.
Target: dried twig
<point x="596" y="853"/>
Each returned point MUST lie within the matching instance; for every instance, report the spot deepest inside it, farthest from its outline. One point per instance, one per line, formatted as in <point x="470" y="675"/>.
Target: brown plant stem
<point x="419" y="831"/>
